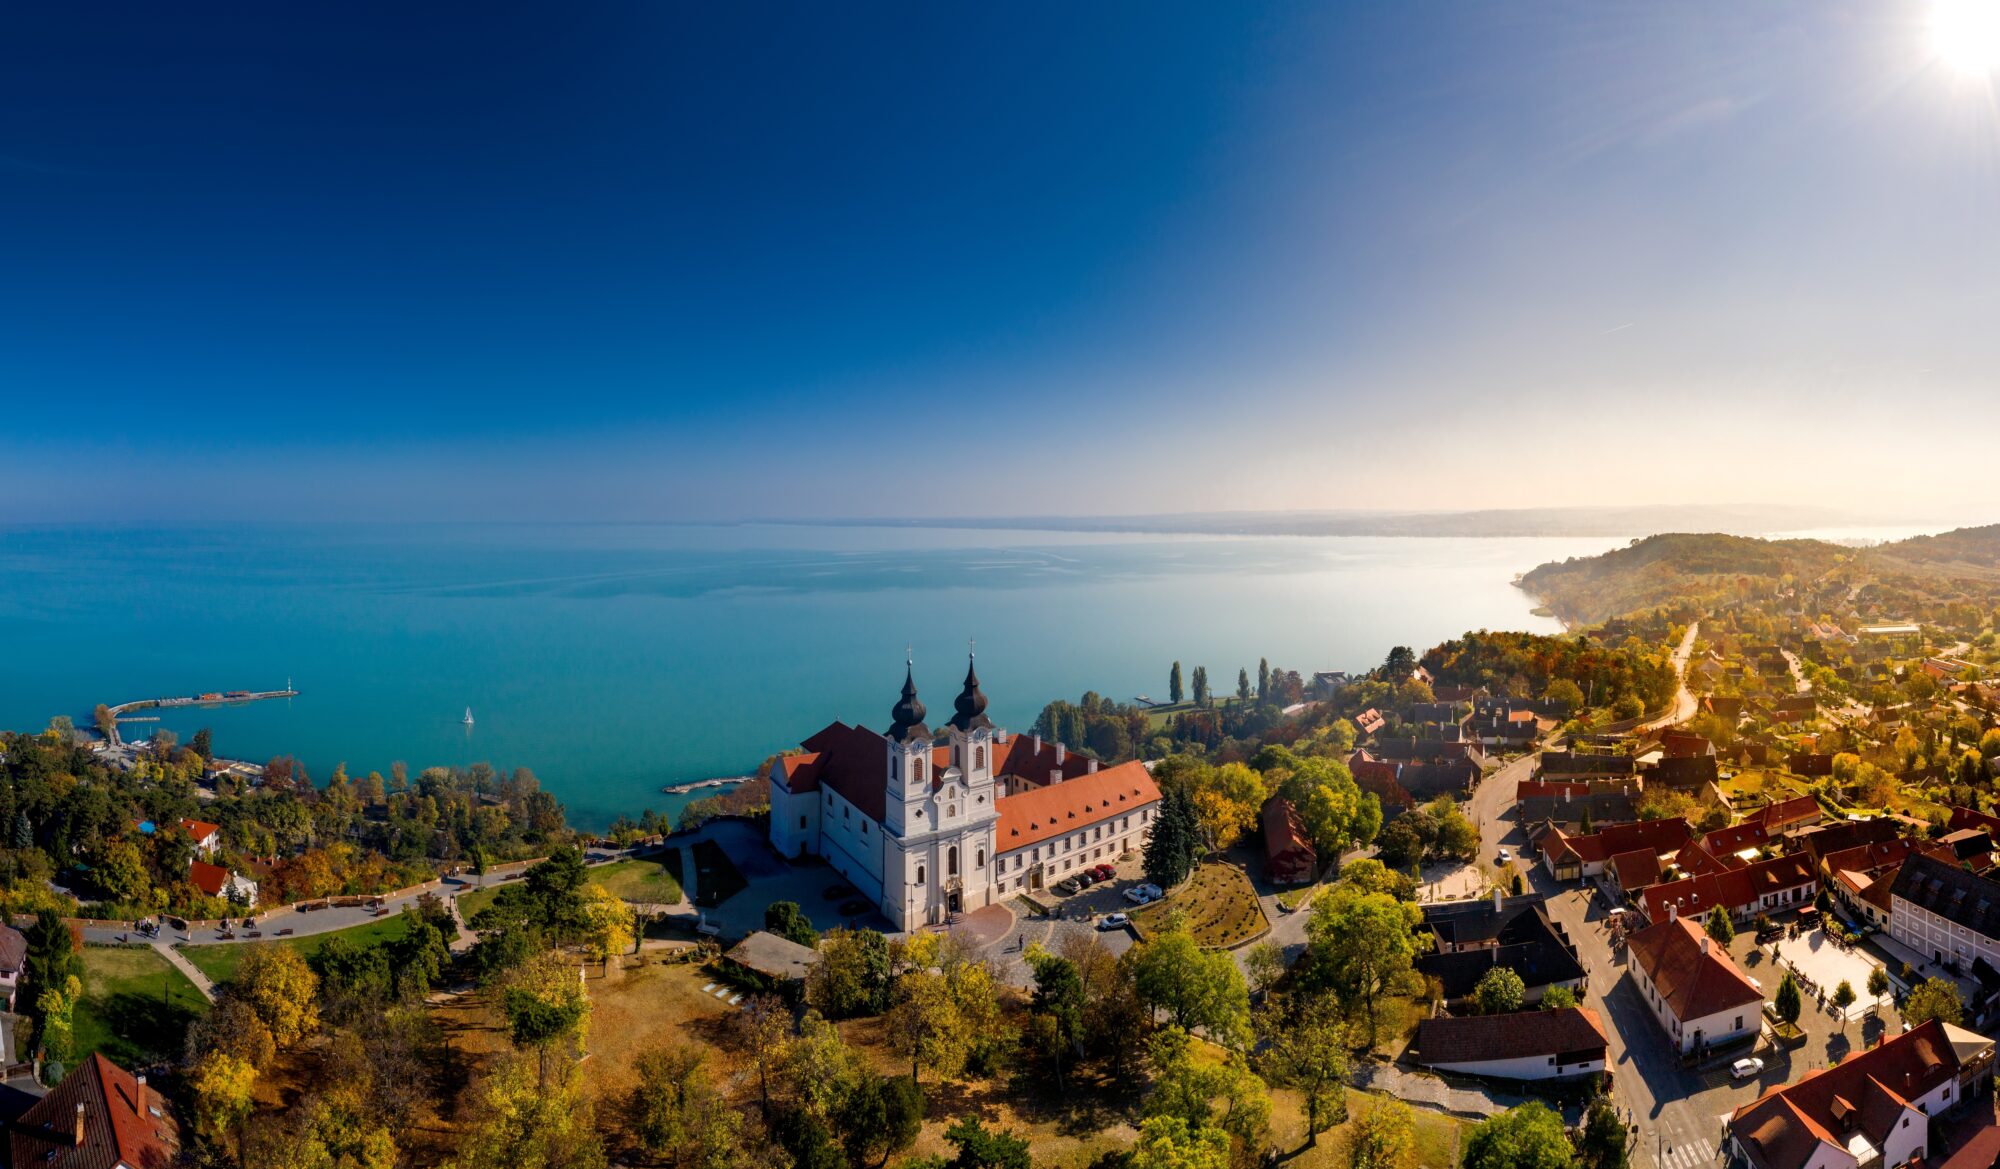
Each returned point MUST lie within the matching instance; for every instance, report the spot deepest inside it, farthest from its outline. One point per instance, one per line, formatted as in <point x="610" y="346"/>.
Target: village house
<point x="1573" y="858"/>
<point x="1289" y="858"/>
<point x="1473" y="937"/>
<point x="1598" y="809"/>
<point x="13" y="961"/>
<point x="1761" y="887"/>
<point x="216" y="881"/>
<point x="777" y="962"/>
<point x="1945" y="913"/>
<point x="99" y="1117"/>
<point x="1521" y="1045"/>
<point x="1586" y="765"/>
<point x="1696" y="993"/>
<point x="207" y="837"/>
<point x="1876" y="1107"/>
<point x="929" y="830"/>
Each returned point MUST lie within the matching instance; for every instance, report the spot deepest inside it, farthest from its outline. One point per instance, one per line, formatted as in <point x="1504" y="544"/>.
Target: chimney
<point x="79" y="1126"/>
<point x="1496" y="900"/>
<point x="1705" y="942"/>
<point x="1090" y="767"/>
<point x="1038" y="744"/>
<point x="1673" y="911"/>
<point x="1062" y="752"/>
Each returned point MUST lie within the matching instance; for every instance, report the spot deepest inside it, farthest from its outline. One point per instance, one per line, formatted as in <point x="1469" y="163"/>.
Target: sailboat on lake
<point x="467" y="720"/>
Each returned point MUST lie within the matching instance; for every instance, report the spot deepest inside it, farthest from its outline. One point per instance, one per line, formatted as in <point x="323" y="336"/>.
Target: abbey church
<point x="929" y="824"/>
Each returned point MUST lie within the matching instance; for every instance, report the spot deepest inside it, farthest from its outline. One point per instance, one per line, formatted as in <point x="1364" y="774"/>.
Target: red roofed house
<point x="1766" y="886"/>
<point x="207" y="837"/>
<point x="1876" y="1107"/>
<point x="99" y="1117"/>
<point x="1289" y="858"/>
<point x="927" y="830"/>
<point x="217" y="881"/>
<point x="1571" y="858"/>
<point x="1694" y="990"/>
<point x="1522" y="1045"/>
<point x="1786" y="815"/>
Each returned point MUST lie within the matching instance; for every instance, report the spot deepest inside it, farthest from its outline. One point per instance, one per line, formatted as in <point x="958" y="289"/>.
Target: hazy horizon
<point x="635" y="263"/>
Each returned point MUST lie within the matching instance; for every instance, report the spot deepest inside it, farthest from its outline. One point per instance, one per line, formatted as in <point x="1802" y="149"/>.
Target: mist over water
<point x="614" y="659"/>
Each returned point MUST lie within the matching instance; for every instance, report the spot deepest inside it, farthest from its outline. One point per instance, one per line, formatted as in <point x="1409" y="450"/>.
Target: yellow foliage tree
<point x="608" y="923"/>
<point x="526" y="1123"/>
<point x="221" y="1085"/>
<point x="283" y="990"/>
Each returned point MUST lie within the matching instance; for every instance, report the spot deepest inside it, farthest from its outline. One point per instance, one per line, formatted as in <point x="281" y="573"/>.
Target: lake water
<point x="614" y="659"/>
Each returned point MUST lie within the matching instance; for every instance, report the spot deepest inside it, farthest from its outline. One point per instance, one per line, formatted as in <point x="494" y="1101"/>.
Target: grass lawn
<point x="136" y="1006"/>
<point x="716" y="876"/>
<point x="1218" y="902"/>
<point x="648" y="880"/>
<point x="473" y="900"/>
<point x="1438" y="1136"/>
<point x="1299" y="898"/>
<point x="219" y="960"/>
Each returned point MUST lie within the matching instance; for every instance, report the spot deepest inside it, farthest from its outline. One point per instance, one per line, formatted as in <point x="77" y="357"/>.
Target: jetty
<point x="674" y="789"/>
<point x="120" y="713"/>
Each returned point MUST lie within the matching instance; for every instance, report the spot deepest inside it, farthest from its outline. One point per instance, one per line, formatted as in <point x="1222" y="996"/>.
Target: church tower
<point x="971" y="735"/>
<point x="909" y="777"/>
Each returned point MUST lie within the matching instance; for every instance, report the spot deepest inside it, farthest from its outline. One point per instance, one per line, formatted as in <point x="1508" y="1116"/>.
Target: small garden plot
<point x="640" y="879"/>
<point x="1218" y="904"/>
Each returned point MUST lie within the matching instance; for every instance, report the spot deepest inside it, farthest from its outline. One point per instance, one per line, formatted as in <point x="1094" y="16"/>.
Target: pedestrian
<point x="1020" y="941"/>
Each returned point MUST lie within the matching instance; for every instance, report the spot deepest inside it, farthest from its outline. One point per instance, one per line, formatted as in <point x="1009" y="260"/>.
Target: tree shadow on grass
<point x="141" y="1028"/>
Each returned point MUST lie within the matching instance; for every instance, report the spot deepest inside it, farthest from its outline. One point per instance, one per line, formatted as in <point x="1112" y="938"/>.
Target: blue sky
<point x="711" y="261"/>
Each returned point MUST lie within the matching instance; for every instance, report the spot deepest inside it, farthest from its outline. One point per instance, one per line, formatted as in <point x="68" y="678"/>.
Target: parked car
<point x="1105" y="872"/>
<point x="1067" y="886"/>
<point x="1085" y="879"/>
<point x="1503" y="856"/>
<point x="1743" y="1069"/>
<point x="1143" y="894"/>
<point x="1113" y="921"/>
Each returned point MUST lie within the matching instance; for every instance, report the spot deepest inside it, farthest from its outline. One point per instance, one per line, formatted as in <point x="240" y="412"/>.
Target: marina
<point x="729" y="781"/>
<point x="119" y="713"/>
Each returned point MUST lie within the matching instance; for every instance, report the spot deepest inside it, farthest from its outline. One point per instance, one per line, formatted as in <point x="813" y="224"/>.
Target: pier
<point x="119" y="713"/>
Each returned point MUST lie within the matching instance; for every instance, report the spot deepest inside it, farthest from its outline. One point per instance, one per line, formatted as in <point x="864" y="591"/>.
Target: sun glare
<point x="1966" y="34"/>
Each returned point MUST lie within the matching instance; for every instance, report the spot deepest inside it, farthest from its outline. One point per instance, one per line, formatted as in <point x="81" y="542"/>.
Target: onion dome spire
<point x="971" y="702"/>
<point x="908" y="713"/>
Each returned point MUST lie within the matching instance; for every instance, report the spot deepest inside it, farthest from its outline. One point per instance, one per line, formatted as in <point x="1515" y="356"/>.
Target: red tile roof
<point x="119" y="1123"/>
<point x="1694" y="976"/>
<point x="1288" y="851"/>
<point x="208" y="878"/>
<point x="1787" y="814"/>
<point x="1044" y="812"/>
<point x="1658" y="835"/>
<point x="1868" y="1091"/>
<point x="1570" y="1031"/>
<point x="1734" y="889"/>
<point x="200" y="830"/>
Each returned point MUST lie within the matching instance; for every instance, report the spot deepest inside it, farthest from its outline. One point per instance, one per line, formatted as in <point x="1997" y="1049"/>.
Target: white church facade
<point x="930" y="824"/>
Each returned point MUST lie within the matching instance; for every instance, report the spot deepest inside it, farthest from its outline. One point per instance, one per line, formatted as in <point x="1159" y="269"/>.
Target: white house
<point x="1945" y="913"/>
<point x="1698" y="995"/>
<point x="928" y="829"/>
<point x="13" y="961"/>
<point x="217" y="881"/>
<point x="207" y="837"/>
<point x="1873" y="1108"/>
<point x="1523" y="1045"/>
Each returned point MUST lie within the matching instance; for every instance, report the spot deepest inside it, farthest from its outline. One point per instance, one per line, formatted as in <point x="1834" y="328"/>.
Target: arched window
<point x="951" y="809"/>
<point x="978" y="758"/>
<point x="951" y="861"/>
<point x="920" y="874"/>
<point x="980" y="859"/>
<point x="917" y="770"/>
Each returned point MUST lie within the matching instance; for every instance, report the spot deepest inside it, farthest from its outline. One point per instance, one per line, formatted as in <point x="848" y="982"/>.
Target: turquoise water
<point x="614" y="659"/>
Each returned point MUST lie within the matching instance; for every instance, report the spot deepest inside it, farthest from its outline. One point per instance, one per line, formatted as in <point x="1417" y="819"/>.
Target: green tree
<point x="1719" y="926"/>
<point x="528" y="1121"/>
<point x="881" y="1115"/>
<point x="1202" y="696"/>
<point x="1787" y="1002"/>
<point x="1557" y="998"/>
<point x="1058" y="1004"/>
<point x="1243" y="685"/>
<point x="982" y="1148"/>
<point x="1878" y="985"/>
<point x="1397" y="667"/>
<point x="545" y="1008"/>
<point x="1934" y="998"/>
<point x="1499" y="991"/>
<point x="1843" y="998"/>
<point x="787" y="920"/>
<point x="1264" y="684"/>
<point x="677" y="1112"/>
<point x="1205" y="1091"/>
<point x="1195" y="987"/>
<point x="852" y="975"/>
<point x="1174" y="691"/>
<point x="1527" y="1136"/>
<point x="1170" y="850"/>
<point x="1384" y="1137"/>
<point x="1305" y="1047"/>
<point x="1363" y="943"/>
<point x="1167" y="1142"/>
<point x="1605" y="1142"/>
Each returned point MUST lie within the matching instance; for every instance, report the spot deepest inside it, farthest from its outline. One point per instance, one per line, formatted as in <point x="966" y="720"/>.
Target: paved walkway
<point x="193" y="972"/>
<point x="1430" y="1091"/>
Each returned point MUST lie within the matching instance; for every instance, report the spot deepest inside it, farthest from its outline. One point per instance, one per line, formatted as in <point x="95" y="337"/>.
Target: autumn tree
<point x="1197" y="988"/>
<point x="1383" y="1137"/>
<point x="523" y="1118"/>
<point x="1362" y="944"/>
<point x="852" y="976"/>
<point x="1205" y="1091"/>
<point x="762" y="1030"/>
<point x="1934" y="998"/>
<point x="946" y="1015"/>
<point x="284" y="992"/>
<point x="678" y="1113"/>
<point x="608" y="925"/>
<point x="546" y="1008"/>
